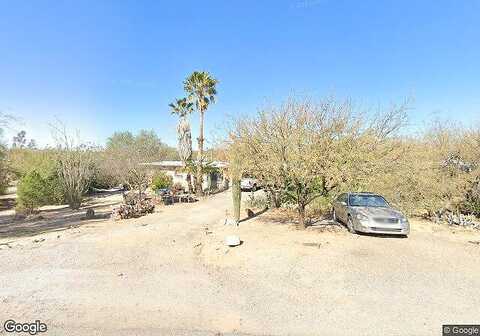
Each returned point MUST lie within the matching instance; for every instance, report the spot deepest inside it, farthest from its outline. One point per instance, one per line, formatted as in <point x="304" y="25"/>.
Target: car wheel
<point x="334" y="215"/>
<point x="350" y="227"/>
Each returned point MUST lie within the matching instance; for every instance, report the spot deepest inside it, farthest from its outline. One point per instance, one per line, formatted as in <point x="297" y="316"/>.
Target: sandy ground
<point x="170" y="274"/>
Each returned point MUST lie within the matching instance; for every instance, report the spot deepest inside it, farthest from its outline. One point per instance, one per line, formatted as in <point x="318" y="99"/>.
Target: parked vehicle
<point x="249" y="184"/>
<point x="369" y="213"/>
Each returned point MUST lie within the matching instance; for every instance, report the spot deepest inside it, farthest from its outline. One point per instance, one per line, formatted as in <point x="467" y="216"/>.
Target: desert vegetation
<point x="125" y="153"/>
<point x="306" y="152"/>
<point x="68" y="171"/>
<point x="161" y="181"/>
<point x="182" y="107"/>
<point x="201" y="89"/>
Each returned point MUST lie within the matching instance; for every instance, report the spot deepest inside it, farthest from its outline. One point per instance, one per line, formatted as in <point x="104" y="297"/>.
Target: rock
<point x="34" y="218"/>
<point x="19" y="216"/>
<point x="90" y="214"/>
<point x="229" y="221"/>
<point x="232" y="240"/>
<point x="318" y="245"/>
<point x="39" y="240"/>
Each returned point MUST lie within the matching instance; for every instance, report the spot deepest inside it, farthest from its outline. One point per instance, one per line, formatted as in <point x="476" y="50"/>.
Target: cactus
<point x="237" y="198"/>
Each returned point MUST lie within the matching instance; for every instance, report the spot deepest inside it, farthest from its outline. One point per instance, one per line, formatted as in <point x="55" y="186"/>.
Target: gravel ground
<point x="169" y="274"/>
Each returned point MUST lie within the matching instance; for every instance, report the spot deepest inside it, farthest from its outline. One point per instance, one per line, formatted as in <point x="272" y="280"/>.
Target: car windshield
<point x="367" y="201"/>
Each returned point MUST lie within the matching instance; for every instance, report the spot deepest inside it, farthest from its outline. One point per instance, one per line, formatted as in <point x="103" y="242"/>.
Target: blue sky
<point x="102" y="66"/>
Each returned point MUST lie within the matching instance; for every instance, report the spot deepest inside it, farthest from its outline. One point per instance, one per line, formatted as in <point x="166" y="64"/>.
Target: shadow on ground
<point x="7" y="203"/>
<point x="53" y="220"/>
<point x="381" y="235"/>
<point x="255" y="214"/>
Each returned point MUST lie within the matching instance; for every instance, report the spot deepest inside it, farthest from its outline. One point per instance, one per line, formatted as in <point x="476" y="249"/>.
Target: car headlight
<point x="403" y="219"/>
<point x="361" y="216"/>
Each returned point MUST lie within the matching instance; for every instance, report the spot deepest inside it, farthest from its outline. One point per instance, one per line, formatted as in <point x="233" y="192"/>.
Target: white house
<point x="211" y="181"/>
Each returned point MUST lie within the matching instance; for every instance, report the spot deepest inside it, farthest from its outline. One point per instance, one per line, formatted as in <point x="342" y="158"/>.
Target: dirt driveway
<point x="169" y="274"/>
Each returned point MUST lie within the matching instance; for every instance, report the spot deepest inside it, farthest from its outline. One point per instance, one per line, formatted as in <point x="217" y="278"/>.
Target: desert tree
<point x="451" y="153"/>
<point x="303" y="150"/>
<point x="32" y="144"/>
<point x="125" y="154"/>
<point x="5" y="121"/>
<point x="19" y="140"/>
<point x="4" y="169"/>
<point x="74" y="163"/>
<point x="182" y="107"/>
<point x="201" y="89"/>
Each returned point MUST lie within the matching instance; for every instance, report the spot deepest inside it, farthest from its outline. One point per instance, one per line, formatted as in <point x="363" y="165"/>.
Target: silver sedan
<point x="369" y="213"/>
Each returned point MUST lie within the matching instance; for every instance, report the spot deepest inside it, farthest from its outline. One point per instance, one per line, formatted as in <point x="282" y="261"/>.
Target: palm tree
<point x="201" y="89"/>
<point x="183" y="108"/>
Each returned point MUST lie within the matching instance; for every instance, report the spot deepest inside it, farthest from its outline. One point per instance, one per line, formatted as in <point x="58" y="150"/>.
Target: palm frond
<point x="201" y="89"/>
<point x="181" y="106"/>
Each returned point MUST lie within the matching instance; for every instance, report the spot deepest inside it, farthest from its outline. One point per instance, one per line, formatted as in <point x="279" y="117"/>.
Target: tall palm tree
<point x="182" y="107"/>
<point x="201" y="89"/>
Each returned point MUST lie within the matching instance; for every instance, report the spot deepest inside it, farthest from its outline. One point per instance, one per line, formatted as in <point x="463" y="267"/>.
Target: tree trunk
<point x="189" y="181"/>
<point x="274" y="198"/>
<point x="199" y="181"/>
<point x="301" y="218"/>
<point x="237" y="198"/>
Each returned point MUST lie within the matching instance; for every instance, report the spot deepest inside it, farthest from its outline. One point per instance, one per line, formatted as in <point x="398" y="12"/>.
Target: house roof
<point x="215" y="164"/>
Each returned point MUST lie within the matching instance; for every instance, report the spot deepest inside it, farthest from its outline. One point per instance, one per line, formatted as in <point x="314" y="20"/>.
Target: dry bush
<point x="24" y="160"/>
<point x="75" y="165"/>
<point x="4" y="170"/>
<point x="125" y="153"/>
<point x="437" y="171"/>
<point x="135" y="205"/>
<point x="303" y="150"/>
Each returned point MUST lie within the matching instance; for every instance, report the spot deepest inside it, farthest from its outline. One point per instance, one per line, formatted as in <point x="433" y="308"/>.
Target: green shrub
<point x="320" y="206"/>
<point x="471" y="204"/>
<point x="44" y="162"/>
<point x="257" y="201"/>
<point x="4" y="171"/>
<point x="54" y="192"/>
<point x="102" y="180"/>
<point x="31" y="192"/>
<point x="3" y="182"/>
<point x="161" y="181"/>
<point x="4" y="179"/>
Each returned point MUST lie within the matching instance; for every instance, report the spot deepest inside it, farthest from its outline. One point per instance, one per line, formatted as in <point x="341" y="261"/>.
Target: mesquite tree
<point x="126" y="154"/>
<point x="304" y="150"/>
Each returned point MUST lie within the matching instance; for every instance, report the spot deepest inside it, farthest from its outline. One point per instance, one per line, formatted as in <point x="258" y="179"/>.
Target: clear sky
<point x="102" y="66"/>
